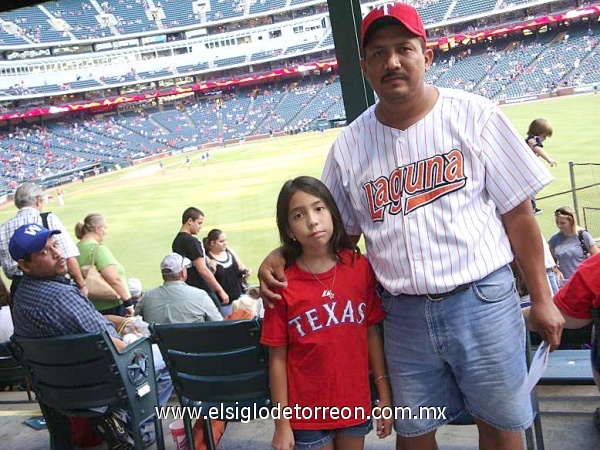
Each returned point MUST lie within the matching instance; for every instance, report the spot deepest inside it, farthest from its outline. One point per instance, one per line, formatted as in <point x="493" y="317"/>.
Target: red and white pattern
<point x="428" y="199"/>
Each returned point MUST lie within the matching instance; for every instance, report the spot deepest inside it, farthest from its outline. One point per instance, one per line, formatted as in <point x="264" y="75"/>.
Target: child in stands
<point x="324" y="334"/>
<point x="539" y="130"/>
<point x="244" y="307"/>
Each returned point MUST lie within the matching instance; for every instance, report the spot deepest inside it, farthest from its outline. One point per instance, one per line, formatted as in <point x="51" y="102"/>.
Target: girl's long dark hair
<point x="313" y="186"/>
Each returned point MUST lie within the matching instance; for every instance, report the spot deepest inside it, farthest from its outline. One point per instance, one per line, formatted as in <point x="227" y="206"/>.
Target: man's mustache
<point x="394" y="74"/>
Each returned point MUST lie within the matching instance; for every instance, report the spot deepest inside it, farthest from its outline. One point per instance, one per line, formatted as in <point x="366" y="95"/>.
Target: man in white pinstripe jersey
<point x="438" y="182"/>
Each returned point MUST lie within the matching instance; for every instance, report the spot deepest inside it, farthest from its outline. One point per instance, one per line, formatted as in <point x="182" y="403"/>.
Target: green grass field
<point x="238" y="188"/>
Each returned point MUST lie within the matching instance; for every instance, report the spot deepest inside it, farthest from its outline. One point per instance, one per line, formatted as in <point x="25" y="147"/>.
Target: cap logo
<point x="32" y="230"/>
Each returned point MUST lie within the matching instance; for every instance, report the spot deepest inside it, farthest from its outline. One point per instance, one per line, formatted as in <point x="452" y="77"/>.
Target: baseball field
<point x="238" y="187"/>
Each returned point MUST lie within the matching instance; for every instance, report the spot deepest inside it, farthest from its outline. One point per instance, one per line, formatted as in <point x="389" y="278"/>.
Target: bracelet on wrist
<point x="381" y="377"/>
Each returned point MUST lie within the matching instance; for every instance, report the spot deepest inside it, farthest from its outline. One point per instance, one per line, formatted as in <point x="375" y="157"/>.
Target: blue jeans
<point x="465" y="351"/>
<point x="164" y="386"/>
<point x="226" y="309"/>
<point x="315" y="439"/>
<point x="552" y="280"/>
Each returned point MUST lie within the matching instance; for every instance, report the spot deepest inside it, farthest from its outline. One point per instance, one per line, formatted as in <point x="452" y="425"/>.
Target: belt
<point x="435" y="297"/>
<point x="456" y="290"/>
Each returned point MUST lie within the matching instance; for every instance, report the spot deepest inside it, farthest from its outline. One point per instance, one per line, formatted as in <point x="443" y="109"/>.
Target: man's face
<point x="39" y="203"/>
<point x="48" y="262"/>
<point x="395" y="63"/>
<point x="196" y="225"/>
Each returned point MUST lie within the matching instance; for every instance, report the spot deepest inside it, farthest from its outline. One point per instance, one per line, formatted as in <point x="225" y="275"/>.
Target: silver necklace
<point x="328" y="292"/>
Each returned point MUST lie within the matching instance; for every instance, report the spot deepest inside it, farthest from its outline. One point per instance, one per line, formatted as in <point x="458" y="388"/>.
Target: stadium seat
<point x="81" y="375"/>
<point x="215" y="364"/>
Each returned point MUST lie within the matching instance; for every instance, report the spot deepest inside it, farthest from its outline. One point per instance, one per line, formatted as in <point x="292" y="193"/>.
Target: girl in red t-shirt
<point x="324" y="333"/>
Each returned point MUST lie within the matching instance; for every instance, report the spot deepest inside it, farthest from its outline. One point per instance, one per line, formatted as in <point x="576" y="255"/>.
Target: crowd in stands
<point x="508" y="67"/>
<point x="503" y="69"/>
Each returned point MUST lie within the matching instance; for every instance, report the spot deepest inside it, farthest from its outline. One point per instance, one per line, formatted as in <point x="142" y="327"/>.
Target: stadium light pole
<point x="346" y="17"/>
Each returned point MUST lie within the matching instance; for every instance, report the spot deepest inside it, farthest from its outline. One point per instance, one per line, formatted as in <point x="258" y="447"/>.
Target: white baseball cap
<point x="135" y="287"/>
<point x="173" y="263"/>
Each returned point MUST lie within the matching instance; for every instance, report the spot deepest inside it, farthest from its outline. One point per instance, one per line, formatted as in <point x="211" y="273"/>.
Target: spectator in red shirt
<point x="579" y="303"/>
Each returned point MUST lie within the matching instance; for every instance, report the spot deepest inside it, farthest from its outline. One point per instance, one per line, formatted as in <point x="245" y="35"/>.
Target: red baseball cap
<point x="403" y="13"/>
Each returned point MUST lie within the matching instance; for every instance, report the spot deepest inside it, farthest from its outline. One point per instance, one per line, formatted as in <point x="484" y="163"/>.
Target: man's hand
<point x="547" y="320"/>
<point x="271" y="276"/>
<point x="526" y="241"/>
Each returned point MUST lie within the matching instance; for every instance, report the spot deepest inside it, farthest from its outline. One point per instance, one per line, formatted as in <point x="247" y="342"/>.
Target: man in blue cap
<point x="48" y="304"/>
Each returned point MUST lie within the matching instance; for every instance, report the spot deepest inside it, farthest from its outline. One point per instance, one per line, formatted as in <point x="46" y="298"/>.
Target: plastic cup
<point x="178" y="433"/>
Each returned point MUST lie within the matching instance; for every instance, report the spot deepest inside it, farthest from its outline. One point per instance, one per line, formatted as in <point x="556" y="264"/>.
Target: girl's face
<point x="220" y="245"/>
<point x="564" y="225"/>
<point x="309" y="220"/>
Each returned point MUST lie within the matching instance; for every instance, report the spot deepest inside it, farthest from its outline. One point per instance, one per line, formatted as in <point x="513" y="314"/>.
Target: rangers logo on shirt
<point x="415" y="185"/>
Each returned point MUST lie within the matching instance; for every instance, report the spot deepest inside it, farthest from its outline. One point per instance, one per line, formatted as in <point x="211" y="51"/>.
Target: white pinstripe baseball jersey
<point x="428" y="199"/>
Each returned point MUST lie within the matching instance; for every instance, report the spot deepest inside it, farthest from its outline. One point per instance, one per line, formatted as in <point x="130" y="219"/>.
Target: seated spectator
<point x="244" y="307"/>
<point x="135" y="289"/>
<point x="47" y="304"/>
<point x="579" y="302"/>
<point x="175" y="301"/>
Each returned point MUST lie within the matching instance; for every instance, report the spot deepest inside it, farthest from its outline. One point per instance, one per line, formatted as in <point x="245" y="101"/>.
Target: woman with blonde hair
<point x="244" y="307"/>
<point x="91" y="233"/>
<point x="572" y="244"/>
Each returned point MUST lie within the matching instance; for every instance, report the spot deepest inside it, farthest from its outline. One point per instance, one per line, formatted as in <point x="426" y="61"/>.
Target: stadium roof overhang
<point x="16" y="4"/>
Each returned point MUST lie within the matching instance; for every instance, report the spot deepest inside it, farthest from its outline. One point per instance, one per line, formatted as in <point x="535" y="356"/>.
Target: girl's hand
<point x="283" y="439"/>
<point x="384" y="426"/>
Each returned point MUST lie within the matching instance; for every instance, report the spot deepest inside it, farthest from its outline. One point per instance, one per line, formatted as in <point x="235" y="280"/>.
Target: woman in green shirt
<point x="91" y="233"/>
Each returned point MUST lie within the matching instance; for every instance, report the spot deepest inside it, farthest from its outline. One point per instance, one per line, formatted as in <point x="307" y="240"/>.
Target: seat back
<point x="75" y="374"/>
<point x="71" y="372"/>
<point x="10" y="369"/>
<point x="215" y="362"/>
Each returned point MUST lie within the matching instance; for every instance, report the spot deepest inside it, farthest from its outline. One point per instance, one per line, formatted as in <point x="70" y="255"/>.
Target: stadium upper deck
<point x="74" y="46"/>
<point x="259" y="64"/>
<point x="69" y="21"/>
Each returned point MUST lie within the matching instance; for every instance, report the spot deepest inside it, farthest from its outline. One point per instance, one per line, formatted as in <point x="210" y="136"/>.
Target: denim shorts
<point x="465" y="351"/>
<point x="315" y="439"/>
